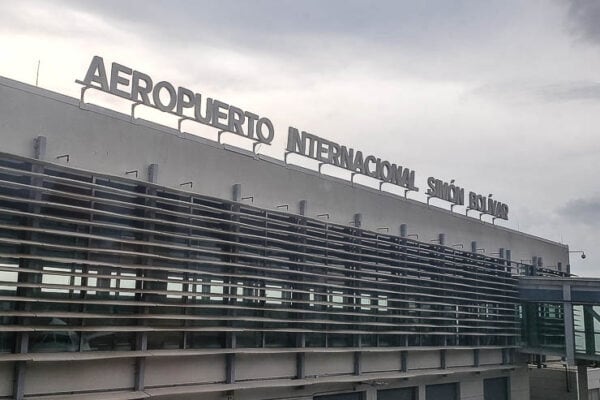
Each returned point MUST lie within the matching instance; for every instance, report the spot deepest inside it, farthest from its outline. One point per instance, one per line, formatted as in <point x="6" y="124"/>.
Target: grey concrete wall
<point x="423" y="360"/>
<point x="100" y="140"/>
<point x="490" y="357"/>
<point x="272" y="366"/>
<point x="376" y="362"/>
<point x="65" y="377"/>
<point x="184" y="370"/>
<point x="459" y="358"/>
<point x="551" y="384"/>
<point x="201" y="377"/>
<point x="519" y="384"/>
<point x="321" y="364"/>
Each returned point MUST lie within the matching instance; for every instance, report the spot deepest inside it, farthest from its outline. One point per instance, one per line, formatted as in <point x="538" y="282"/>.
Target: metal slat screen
<point x="92" y="263"/>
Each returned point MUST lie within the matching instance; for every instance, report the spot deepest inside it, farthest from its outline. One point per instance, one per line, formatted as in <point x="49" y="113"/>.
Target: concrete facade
<point x="260" y="378"/>
<point x="101" y="140"/>
<point x="89" y="138"/>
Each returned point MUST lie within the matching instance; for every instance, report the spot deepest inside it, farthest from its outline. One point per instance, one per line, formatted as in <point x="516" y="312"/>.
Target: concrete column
<point x="236" y="193"/>
<point x="153" y="173"/>
<point x="357" y="363"/>
<point x="569" y="324"/>
<point x="303" y="207"/>
<point x="582" y="383"/>
<point x="474" y="246"/>
<point x="422" y="393"/>
<point x="442" y="238"/>
<point x="403" y="230"/>
<point x="20" y="367"/>
<point x="358" y="220"/>
<point x="39" y="147"/>
<point x="371" y="393"/>
<point x="140" y="362"/>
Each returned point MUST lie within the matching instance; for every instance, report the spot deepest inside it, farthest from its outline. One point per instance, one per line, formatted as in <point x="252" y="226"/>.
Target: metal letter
<point x="261" y="137"/>
<point x="97" y="73"/>
<point x="185" y="99"/>
<point x="138" y="91"/>
<point x="172" y="96"/>
<point x="116" y="79"/>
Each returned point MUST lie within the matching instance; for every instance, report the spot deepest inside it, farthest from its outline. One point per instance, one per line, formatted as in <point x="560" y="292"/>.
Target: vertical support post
<point x="237" y="192"/>
<point x="473" y="247"/>
<point x="569" y="323"/>
<point x="505" y="356"/>
<point x="230" y="368"/>
<point x="140" y="362"/>
<point x="39" y="147"/>
<point x="153" y="173"/>
<point x="300" y="365"/>
<point x="443" y="359"/>
<point x="22" y="338"/>
<point x="540" y="262"/>
<point x="301" y="337"/>
<point x="357" y="220"/>
<point x="229" y="291"/>
<point x="476" y="357"/>
<point x="20" y="366"/>
<point x="403" y="230"/>
<point x="442" y="239"/>
<point x="357" y="362"/>
<point x="303" y="207"/>
<point x="230" y="358"/>
<point x="404" y="361"/>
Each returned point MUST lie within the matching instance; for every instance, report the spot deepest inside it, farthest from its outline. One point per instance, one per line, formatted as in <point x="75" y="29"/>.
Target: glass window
<point x="9" y="275"/>
<point x="164" y="340"/>
<point x="56" y="276"/>
<point x="274" y="294"/>
<point x="7" y="342"/>
<point x="216" y="287"/>
<point x="107" y="341"/>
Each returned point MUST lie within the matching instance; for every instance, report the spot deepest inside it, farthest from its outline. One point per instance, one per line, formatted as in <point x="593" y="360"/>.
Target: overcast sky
<point x="503" y="96"/>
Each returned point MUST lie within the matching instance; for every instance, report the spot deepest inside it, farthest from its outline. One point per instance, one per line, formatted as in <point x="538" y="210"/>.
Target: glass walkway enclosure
<point x="561" y="316"/>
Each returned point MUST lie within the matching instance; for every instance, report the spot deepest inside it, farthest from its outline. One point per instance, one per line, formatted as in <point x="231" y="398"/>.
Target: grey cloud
<point x="264" y="23"/>
<point x="584" y="17"/>
<point x="534" y="92"/>
<point x="571" y="91"/>
<point x="584" y="211"/>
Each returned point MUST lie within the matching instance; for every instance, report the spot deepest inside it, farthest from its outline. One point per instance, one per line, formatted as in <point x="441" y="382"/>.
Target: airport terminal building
<point x="140" y="261"/>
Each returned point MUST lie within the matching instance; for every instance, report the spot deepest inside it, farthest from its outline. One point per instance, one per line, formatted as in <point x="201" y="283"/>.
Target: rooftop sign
<point x="139" y="88"/>
<point x="328" y="152"/>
